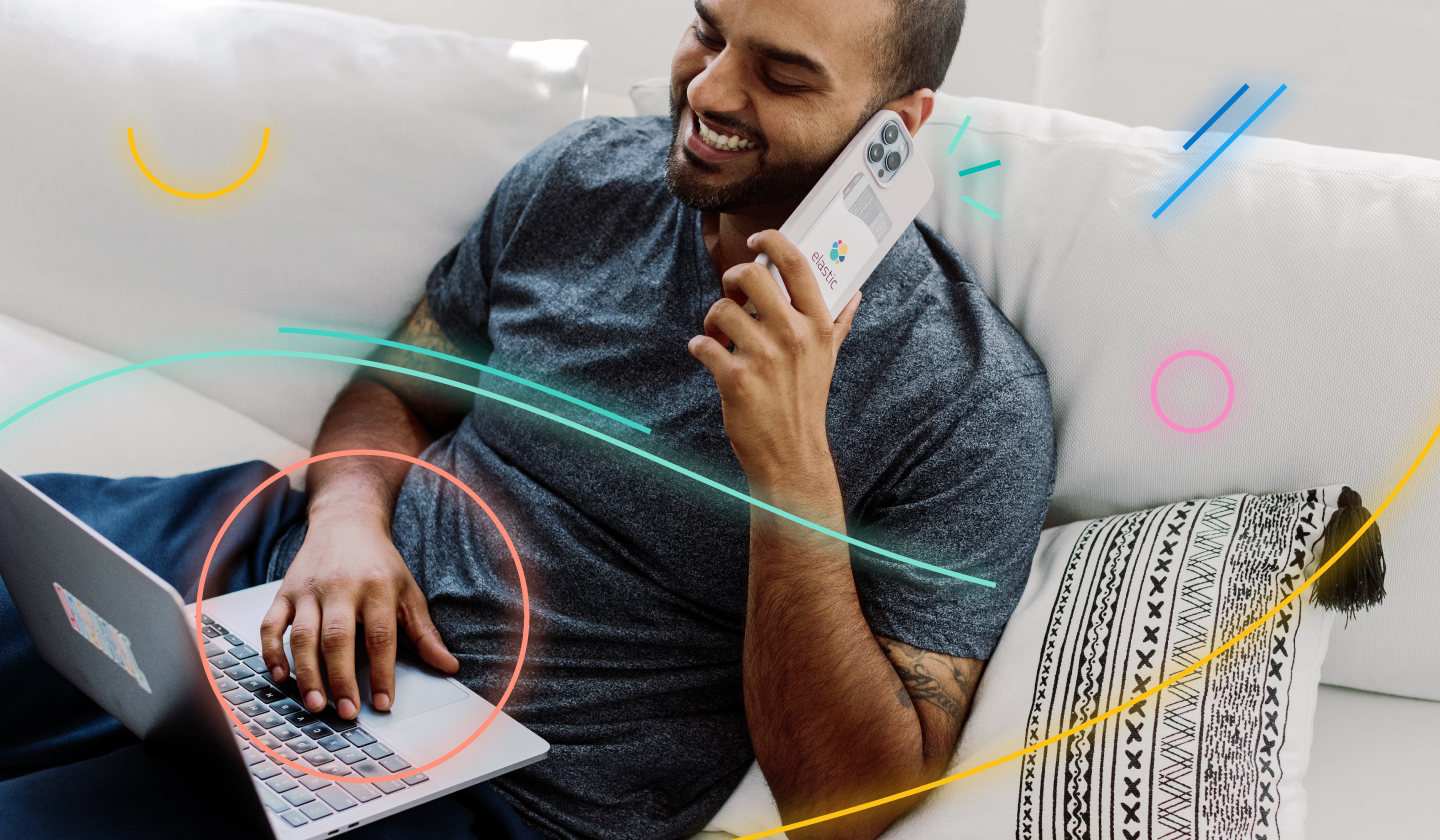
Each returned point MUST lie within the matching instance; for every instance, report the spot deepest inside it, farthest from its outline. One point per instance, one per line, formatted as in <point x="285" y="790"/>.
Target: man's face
<point x="790" y="79"/>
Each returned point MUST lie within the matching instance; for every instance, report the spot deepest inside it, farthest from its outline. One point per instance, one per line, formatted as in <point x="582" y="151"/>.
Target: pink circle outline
<point x="1155" y="395"/>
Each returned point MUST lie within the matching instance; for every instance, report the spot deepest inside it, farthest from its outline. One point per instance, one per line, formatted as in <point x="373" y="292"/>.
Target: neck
<point x="725" y="234"/>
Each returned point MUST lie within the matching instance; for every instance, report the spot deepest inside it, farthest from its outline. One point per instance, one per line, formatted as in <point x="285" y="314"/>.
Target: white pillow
<point x="385" y="142"/>
<point x="1112" y="608"/>
<point x="137" y="423"/>
<point x="1308" y="271"/>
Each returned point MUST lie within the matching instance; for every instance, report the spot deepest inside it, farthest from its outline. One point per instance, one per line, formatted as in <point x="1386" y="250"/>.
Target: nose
<point x="719" y="88"/>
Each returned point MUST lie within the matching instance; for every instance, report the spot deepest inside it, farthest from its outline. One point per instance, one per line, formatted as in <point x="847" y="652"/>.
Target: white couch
<point x="1309" y="271"/>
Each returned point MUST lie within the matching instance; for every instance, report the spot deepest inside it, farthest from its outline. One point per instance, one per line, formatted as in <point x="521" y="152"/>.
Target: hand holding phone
<point x="858" y="209"/>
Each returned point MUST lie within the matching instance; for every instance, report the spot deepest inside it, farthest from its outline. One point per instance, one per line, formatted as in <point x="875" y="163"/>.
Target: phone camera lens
<point x="892" y="161"/>
<point x="891" y="133"/>
<point x="876" y="152"/>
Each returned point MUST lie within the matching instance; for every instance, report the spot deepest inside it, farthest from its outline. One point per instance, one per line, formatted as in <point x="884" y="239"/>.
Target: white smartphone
<point x="860" y="207"/>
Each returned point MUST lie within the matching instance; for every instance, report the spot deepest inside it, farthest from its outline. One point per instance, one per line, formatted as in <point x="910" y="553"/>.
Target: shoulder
<point x="593" y="152"/>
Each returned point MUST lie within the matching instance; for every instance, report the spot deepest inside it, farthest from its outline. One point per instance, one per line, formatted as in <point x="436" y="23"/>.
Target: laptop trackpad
<point x="418" y="688"/>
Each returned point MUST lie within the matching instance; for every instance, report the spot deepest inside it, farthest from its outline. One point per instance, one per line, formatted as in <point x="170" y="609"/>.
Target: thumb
<point x="424" y="634"/>
<point x="844" y="322"/>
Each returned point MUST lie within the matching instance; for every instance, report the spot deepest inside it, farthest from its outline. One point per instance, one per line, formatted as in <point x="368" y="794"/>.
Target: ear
<point x="914" y="108"/>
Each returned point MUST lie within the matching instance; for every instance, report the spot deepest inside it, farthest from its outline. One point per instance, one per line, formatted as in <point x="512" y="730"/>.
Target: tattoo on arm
<point x="942" y="682"/>
<point x="438" y="406"/>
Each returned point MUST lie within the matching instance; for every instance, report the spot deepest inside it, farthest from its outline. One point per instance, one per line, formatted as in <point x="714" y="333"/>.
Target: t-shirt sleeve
<point x="972" y="499"/>
<point x="458" y="288"/>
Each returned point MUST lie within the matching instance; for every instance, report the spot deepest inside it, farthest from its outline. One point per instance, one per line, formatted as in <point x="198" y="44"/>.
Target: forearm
<point x="831" y="722"/>
<point x="365" y="415"/>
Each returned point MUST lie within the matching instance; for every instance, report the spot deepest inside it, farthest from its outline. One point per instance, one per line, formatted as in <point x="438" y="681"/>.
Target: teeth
<point x="721" y="141"/>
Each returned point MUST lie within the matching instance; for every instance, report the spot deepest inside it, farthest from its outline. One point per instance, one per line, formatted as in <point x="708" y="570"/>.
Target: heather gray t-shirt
<point x="585" y="274"/>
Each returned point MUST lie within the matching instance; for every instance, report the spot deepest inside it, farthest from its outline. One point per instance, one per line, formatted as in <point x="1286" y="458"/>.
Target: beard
<point x="769" y="184"/>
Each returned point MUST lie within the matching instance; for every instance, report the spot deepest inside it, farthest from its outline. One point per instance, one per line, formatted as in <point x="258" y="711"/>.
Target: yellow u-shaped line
<point x="167" y="188"/>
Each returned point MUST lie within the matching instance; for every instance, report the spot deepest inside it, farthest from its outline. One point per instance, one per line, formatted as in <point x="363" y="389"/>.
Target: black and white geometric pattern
<point x="1142" y="596"/>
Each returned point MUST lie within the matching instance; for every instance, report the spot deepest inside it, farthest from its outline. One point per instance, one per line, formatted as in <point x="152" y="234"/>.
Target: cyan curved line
<point x="466" y="362"/>
<point x="295" y="354"/>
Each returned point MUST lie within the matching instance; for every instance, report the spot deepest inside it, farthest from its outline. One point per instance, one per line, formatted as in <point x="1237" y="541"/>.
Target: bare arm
<point x="837" y="716"/>
<point x="347" y="570"/>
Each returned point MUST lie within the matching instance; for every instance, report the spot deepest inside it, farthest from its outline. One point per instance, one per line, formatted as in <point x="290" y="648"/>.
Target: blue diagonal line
<point x="295" y="354"/>
<point x="1223" y="109"/>
<point x="1223" y="147"/>
<point x="958" y="135"/>
<point x="466" y="362"/>
<point x="978" y="206"/>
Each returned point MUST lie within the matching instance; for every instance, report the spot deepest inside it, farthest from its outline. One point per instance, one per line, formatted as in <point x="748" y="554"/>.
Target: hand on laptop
<point x="348" y="571"/>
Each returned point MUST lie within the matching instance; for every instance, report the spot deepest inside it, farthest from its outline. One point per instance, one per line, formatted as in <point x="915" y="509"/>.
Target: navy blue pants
<point x="69" y="769"/>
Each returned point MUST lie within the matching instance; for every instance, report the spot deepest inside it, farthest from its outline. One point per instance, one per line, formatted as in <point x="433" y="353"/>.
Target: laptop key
<point x="286" y="708"/>
<point x="270" y="720"/>
<point x="272" y="800"/>
<point x="359" y="737"/>
<point x="295" y="818"/>
<point x="255" y="757"/>
<point x="209" y="630"/>
<point x="238" y="672"/>
<point x="378" y="750"/>
<point x="211" y="649"/>
<point x="267" y="695"/>
<point x="255" y="729"/>
<point x="317" y="731"/>
<point x="267" y="770"/>
<point x="270" y="742"/>
<point x="349" y="755"/>
<point x="234" y="639"/>
<point x="241" y="650"/>
<point x="224" y="661"/>
<point x="255" y="683"/>
<point x="394" y="763"/>
<point x="286" y="733"/>
<point x="415" y="779"/>
<point x="280" y="784"/>
<point x="333" y="743"/>
<point x="332" y="718"/>
<point x="254" y="708"/>
<point x="318" y="758"/>
<point x="301" y="745"/>
<point x="301" y="718"/>
<point x="313" y="783"/>
<point x="336" y="798"/>
<point x="315" y="810"/>
<point x="205" y="619"/>
<point x="218" y="629"/>
<point x="298" y="796"/>
<point x="226" y="685"/>
<point x="361" y="791"/>
<point x="237" y="696"/>
<point x="256" y="663"/>
<point x="390" y="787"/>
<point x="369" y="768"/>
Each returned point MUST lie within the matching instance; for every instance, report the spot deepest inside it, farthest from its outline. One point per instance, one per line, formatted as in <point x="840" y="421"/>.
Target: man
<point x="676" y="634"/>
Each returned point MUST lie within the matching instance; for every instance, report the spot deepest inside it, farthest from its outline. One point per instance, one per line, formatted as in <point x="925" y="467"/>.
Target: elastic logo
<point x="837" y="251"/>
<point x="825" y="273"/>
<point x="102" y="634"/>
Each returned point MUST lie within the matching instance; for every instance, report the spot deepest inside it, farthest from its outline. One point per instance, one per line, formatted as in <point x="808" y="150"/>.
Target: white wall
<point x="1361" y="73"/>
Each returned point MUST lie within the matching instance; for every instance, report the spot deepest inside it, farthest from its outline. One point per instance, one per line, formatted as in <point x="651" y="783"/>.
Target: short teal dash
<point x="466" y="362"/>
<point x="978" y="206"/>
<point x="295" y="354"/>
<point x="979" y="168"/>
<point x="958" y="135"/>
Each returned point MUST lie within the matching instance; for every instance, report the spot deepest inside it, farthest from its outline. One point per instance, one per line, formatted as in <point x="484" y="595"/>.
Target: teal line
<point x="295" y="354"/>
<point x="977" y="205"/>
<point x="979" y="168"/>
<point x="958" y="135"/>
<point x="466" y="362"/>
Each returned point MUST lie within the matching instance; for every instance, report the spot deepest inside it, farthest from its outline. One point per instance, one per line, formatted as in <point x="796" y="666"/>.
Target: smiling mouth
<point x="723" y="142"/>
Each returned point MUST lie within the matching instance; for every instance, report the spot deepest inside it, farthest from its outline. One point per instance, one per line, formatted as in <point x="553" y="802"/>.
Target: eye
<point x="705" y="40"/>
<point x="781" y="87"/>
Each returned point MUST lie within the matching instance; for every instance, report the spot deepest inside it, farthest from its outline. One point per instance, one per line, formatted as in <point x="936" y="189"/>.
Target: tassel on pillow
<point x="1357" y="581"/>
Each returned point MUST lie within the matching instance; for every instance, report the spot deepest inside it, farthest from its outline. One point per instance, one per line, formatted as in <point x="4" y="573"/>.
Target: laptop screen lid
<point x="122" y="635"/>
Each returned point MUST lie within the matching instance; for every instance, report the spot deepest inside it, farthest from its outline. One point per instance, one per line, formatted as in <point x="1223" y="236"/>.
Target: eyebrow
<point x="767" y="50"/>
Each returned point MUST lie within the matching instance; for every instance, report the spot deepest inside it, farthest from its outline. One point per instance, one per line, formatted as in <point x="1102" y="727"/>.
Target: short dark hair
<point x="915" y="50"/>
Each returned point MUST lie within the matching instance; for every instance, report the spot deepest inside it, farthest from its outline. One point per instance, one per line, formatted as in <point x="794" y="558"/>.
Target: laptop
<point x="126" y="638"/>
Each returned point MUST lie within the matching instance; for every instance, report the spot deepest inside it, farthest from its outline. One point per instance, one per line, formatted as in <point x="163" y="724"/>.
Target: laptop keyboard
<point x="273" y="714"/>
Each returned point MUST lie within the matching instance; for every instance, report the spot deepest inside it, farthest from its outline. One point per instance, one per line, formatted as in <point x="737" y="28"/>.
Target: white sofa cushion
<point x="137" y="423"/>
<point x="1308" y="271"/>
<point x="385" y="142"/>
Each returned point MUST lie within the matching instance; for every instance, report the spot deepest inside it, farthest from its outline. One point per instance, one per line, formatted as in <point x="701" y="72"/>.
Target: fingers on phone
<point x="799" y="280"/>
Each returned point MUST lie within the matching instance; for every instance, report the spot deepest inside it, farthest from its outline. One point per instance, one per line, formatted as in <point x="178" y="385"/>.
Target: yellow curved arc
<point x="264" y="144"/>
<point x="1284" y="602"/>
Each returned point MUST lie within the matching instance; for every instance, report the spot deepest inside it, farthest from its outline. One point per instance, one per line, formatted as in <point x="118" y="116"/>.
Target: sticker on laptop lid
<point x="102" y="634"/>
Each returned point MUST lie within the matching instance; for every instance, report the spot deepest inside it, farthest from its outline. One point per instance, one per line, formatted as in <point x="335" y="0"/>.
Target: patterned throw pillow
<point x="1113" y="607"/>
